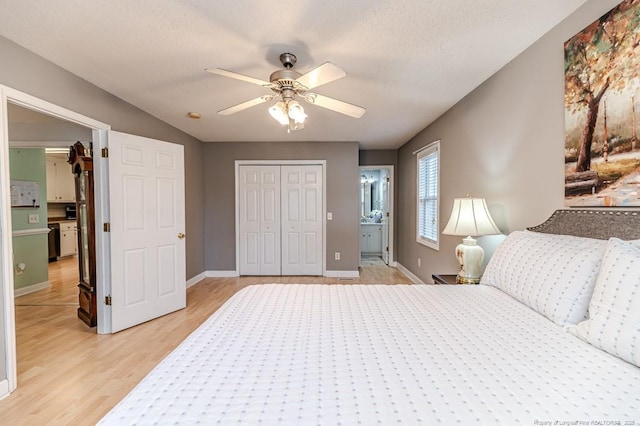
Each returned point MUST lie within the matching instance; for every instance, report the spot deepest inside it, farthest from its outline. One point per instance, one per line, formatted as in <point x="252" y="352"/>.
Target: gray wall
<point x="504" y="142"/>
<point x="378" y="157"/>
<point x="29" y="73"/>
<point x="342" y="196"/>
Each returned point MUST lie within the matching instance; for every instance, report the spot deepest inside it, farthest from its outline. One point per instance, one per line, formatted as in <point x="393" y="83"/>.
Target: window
<point x="428" y="194"/>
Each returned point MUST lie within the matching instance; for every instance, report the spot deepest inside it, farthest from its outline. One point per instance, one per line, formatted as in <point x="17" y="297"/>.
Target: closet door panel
<point x="280" y="220"/>
<point x="302" y="223"/>
<point x="291" y="221"/>
<point x="313" y="223"/>
<point x="270" y="220"/>
<point x="249" y="205"/>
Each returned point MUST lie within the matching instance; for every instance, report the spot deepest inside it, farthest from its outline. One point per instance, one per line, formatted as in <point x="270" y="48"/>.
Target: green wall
<point x="29" y="164"/>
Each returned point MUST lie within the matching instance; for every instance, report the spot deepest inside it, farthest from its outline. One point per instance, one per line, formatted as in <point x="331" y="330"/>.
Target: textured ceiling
<point x="407" y="61"/>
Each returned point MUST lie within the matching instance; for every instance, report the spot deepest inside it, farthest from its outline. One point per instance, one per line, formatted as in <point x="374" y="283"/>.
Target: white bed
<point x="365" y="354"/>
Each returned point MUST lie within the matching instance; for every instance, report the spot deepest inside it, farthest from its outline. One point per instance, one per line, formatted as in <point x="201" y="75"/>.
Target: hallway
<point x="63" y="276"/>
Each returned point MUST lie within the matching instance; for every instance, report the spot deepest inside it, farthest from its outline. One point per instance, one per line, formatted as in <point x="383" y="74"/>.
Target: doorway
<point x="376" y="215"/>
<point x="136" y="166"/>
<point x="44" y="234"/>
<point x="56" y="119"/>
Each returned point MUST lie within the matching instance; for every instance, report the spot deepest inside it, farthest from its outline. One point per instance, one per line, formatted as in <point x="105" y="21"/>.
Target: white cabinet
<point x="371" y="238"/>
<point x="60" y="183"/>
<point x="68" y="239"/>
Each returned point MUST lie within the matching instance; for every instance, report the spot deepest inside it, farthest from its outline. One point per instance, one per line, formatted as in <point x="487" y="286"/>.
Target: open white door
<point x="146" y="184"/>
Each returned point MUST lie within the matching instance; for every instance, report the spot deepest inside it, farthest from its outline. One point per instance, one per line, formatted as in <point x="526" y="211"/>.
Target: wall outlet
<point x="34" y="218"/>
<point x="419" y="262"/>
<point x="337" y="255"/>
<point x="20" y="267"/>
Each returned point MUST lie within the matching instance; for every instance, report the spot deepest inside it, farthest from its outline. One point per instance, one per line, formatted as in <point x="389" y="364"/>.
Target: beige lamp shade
<point x="470" y="216"/>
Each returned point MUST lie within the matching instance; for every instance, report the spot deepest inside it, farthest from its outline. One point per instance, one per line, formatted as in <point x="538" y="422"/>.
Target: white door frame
<point x="390" y="168"/>
<point x="99" y="131"/>
<point x="322" y="163"/>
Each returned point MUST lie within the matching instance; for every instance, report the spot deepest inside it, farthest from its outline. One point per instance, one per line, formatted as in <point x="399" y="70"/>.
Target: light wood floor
<point x="67" y="374"/>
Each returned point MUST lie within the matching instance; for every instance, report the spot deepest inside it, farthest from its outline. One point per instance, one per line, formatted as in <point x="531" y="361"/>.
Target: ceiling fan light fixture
<point x="288" y="85"/>
<point x="293" y="125"/>
<point x="296" y="112"/>
<point x="279" y="113"/>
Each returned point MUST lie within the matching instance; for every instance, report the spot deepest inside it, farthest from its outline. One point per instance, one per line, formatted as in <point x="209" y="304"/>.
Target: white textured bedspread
<point x="365" y="354"/>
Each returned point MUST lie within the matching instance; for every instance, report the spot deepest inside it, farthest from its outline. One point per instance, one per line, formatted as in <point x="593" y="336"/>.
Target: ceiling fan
<point x="287" y="85"/>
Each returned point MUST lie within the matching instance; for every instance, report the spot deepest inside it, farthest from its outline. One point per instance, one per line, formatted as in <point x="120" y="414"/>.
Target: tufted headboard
<point x="601" y="224"/>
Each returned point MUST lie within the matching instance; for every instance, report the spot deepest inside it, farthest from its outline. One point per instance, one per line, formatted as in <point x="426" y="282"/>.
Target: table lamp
<point x="470" y="217"/>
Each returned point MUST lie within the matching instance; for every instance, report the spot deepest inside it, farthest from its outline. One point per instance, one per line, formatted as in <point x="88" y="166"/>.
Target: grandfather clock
<point x="82" y="167"/>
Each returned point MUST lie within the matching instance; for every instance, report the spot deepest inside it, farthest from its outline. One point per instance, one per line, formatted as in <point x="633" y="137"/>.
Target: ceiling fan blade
<point x="245" y="105"/>
<point x="237" y="76"/>
<point x="325" y="73"/>
<point x="345" y="108"/>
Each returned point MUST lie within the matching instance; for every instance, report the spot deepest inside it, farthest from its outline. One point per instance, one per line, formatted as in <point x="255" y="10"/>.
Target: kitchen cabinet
<point x="371" y="238"/>
<point x="60" y="182"/>
<point x="68" y="239"/>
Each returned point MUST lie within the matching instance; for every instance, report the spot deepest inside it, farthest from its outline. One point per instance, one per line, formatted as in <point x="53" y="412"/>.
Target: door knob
<point x="181" y="235"/>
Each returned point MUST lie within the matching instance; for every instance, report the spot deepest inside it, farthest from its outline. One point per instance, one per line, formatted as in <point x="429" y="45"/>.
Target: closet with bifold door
<point x="280" y="219"/>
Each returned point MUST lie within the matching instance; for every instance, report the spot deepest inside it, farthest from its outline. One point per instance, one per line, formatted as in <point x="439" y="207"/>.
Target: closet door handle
<point x="181" y="235"/>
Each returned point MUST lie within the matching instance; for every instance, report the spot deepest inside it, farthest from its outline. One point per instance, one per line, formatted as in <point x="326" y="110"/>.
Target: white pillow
<point x="614" y="310"/>
<point x="552" y="274"/>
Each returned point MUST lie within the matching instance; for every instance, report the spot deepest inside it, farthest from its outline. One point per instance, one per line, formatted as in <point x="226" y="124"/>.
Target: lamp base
<point x="470" y="256"/>
<point x="466" y="280"/>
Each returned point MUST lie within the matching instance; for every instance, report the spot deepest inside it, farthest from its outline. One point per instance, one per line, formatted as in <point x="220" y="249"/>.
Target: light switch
<point x="34" y="218"/>
<point x="329" y="216"/>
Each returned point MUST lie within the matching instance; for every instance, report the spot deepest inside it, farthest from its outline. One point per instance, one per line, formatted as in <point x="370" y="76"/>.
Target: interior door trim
<point x="322" y="163"/>
<point x="391" y="170"/>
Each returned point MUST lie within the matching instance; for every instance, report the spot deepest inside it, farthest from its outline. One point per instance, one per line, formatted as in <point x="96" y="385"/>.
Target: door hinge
<point x="107" y="300"/>
<point x="388" y="180"/>
<point x="106" y="227"/>
<point x="387" y="214"/>
<point x="387" y="249"/>
<point x="104" y="152"/>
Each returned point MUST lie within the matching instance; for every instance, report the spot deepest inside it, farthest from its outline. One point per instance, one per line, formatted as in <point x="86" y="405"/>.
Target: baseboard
<point x="30" y="289"/>
<point x="195" y="280"/>
<point x="342" y="274"/>
<point x="4" y="388"/>
<point x="409" y="274"/>
<point x="330" y="274"/>
<point x="221" y="274"/>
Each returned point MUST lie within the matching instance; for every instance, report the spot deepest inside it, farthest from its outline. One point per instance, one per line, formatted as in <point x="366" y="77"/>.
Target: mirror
<point x="371" y="202"/>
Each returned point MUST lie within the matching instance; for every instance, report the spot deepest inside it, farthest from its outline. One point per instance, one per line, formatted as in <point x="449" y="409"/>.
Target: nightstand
<point x="444" y="279"/>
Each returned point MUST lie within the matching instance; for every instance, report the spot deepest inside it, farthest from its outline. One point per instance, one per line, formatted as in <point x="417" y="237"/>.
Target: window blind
<point x="428" y="195"/>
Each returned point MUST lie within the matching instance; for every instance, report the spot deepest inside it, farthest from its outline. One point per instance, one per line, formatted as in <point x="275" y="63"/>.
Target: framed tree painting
<point x="602" y="103"/>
